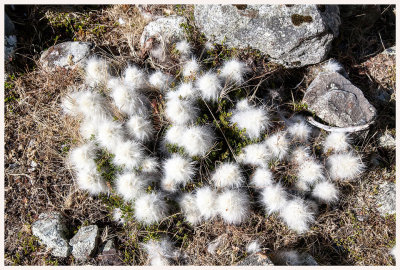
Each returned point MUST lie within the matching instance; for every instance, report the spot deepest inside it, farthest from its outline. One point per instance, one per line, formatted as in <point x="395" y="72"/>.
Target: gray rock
<point x="257" y="259"/>
<point x="386" y="199"/>
<point x="51" y="231"/>
<point x="10" y="44"/>
<point x="84" y="242"/>
<point x="337" y="101"/>
<point x="66" y="55"/>
<point x="292" y="35"/>
<point x="390" y="51"/>
<point x="293" y="257"/>
<point x="109" y="254"/>
<point x="166" y="29"/>
<point x="9" y="27"/>
<point x="386" y="140"/>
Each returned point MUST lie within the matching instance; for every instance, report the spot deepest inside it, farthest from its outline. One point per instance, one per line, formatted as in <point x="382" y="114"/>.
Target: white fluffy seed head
<point x="332" y="66"/>
<point x="118" y="216"/>
<point x="150" y="208"/>
<point x="300" y="155"/>
<point x="206" y="202"/>
<point x="130" y="185"/>
<point x="177" y="171"/>
<point x="197" y="140"/>
<point x="209" y="86"/>
<point x="174" y="134"/>
<point x="191" y="68"/>
<point x="149" y="165"/>
<point x="69" y="103"/>
<point x="96" y="71"/>
<point x="227" y="175"/>
<point x="109" y="134"/>
<point x="262" y="178"/>
<point x="336" y="142"/>
<point x="253" y="247"/>
<point x="180" y="112"/>
<point x="128" y="154"/>
<point x="297" y="215"/>
<point x="183" y="47"/>
<point x="128" y="101"/>
<point x="186" y="91"/>
<point x="160" y="80"/>
<point x="140" y="128"/>
<point x="160" y="252"/>
<point x="243" y="105"/>
<point x="278" y="145"/>
<point x="325" y="191"/>
<point x="302" y="186"/>
<point x="91" y="105"/>
<point x="299" y="131"/>
<point x="91" y="181"/>
<point x="233" y="206"/>
<point x="189" y="208"/>
<point x="344" y="166"/>
<point x="233" y="71"/>
<point x="254" y="120"/>
<point x="82" y="157"/>
<point x="88" y="129"/>
<point x="274" y="198"/>
<point x="134" y="77"/>
<point x="310" y="171"/>
<point x="255" y="154"/>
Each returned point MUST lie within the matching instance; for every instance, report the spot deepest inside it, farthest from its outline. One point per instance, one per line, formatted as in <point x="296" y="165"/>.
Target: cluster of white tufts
<point x="121" y="139"/>
<point x="127" y="135"/>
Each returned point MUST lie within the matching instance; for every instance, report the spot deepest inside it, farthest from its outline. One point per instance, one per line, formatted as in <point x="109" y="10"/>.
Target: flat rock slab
<point x="292" y="35"/>
<point x="257" y="259"/>
<point x="66" y="55"/>
<point x="386" y="199"/>
<point x="337" y="101"/>
<point x="51" y="231"/>
<point x="84" y="242"/>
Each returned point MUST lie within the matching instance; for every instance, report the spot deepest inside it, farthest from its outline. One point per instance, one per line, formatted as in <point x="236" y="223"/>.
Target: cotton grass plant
<point x="160" y="167"/>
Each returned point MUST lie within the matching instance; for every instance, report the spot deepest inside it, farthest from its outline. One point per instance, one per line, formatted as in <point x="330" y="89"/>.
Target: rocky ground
<point x="44" y="209"/>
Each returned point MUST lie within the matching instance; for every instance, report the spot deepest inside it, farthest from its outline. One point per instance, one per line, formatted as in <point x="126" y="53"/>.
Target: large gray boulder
<point x="84" y="242"/>
<point x="337" y="101"/>
<point x="292" y="35"/>
<point x="51" y="231"/>
<point x="66" y="55"/>
<point x="386" y="199"/>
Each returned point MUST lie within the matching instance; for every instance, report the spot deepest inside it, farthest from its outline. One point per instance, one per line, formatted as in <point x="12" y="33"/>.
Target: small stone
<point x="386" y="199"/>
<point x="51" y="231"/>
<point x="167" y="29"/>
<point x="256" y="259"/>
<point x="337" y="101"/>
<point x="66" y="55"/>
<point x="109" y="254"/>
<point x="293" y="257"/>
<point x="387" y="141"/>
<point x="84" y="242"/>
